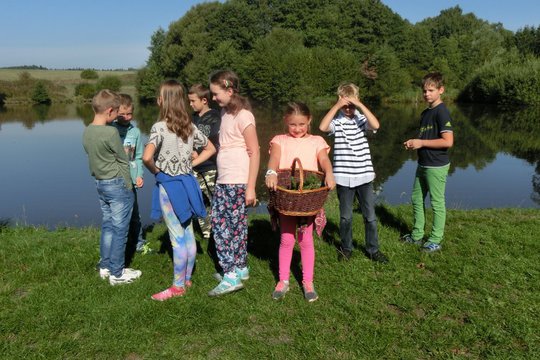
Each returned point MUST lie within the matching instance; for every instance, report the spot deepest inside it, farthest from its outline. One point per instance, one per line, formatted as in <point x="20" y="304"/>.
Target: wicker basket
<point x="297" y="202"/>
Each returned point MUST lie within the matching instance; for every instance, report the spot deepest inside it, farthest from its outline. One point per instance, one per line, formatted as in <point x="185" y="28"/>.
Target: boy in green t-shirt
<point x="109" y="166"/>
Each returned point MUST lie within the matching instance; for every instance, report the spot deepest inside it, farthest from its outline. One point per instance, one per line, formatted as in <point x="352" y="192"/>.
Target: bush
<point x="85" y="90"/>
<point x="109" y="82"/>
<point x="89" y="74"/>
<point x="40" y="94"/>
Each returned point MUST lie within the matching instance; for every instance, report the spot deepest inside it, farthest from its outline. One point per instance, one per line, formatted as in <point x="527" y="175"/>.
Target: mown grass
<point x="477" y="298"/>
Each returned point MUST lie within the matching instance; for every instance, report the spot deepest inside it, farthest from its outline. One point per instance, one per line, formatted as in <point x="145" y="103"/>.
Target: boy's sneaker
<point x="281" y="289"/>
<point x="378" y="257"/>
<point x="127" y="277"/>
<point x="409" y="240"/>
<point x="243" y="273"/>
<point x="104" y="273"/>
<point x="230" y="283"/>
<point x="217" y="276"/>
<point x="309" y="291"/>
<point x="171" y="292"/>
<point x="430" y="247"/>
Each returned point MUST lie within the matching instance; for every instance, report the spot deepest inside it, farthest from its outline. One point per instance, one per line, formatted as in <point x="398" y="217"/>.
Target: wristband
<point x="270" y="172"/>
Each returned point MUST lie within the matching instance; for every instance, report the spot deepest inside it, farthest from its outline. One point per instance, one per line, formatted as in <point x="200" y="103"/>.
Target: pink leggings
<point x="307" y="250"/>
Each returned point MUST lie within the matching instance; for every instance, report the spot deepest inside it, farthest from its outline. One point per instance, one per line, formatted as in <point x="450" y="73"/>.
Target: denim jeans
<point x="116" y="202"/>
<point x="366" y="199"/>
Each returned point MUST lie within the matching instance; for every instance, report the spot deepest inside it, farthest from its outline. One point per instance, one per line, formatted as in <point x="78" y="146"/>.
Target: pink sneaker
<point x="171" y="292"/>
<point x="188" y="283"/>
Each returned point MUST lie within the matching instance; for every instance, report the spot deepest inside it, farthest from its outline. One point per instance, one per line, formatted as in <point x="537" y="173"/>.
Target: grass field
<point x="477" y="299"/>
<point x="66" y="80"/>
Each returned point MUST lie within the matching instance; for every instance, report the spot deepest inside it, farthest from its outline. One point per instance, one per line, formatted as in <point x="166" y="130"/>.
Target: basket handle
<point x="301" y="172"/>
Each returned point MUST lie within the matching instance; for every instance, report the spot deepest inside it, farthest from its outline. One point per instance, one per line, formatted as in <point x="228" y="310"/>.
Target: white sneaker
<point x="104" y="273"/>
<point x="127" y="277"/>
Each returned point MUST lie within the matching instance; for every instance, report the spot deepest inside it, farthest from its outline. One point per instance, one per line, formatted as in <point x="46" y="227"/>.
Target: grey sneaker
<point x="281" y="289"/>
<point x="127" y="277"/>
<point x="309" y="291"/>
<point x="409" y="240"/>
<point x="431" y="247"/>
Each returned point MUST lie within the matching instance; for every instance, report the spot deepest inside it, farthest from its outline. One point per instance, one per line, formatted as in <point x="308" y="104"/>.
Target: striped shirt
<point x="352" y="158"/>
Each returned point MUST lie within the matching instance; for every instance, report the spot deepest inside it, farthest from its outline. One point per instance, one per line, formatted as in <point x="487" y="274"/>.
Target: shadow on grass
<point x="390" y="220"/>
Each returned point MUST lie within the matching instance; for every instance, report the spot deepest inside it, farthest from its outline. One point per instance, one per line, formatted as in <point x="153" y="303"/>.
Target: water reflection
<point x="497" y="148"/>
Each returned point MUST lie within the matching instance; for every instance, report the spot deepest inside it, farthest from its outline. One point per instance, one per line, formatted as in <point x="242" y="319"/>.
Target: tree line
<point x="303" y="49"/>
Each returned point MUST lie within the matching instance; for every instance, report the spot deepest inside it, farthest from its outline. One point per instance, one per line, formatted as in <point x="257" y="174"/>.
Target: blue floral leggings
<point x="229" y="225"/>
<point x="182" y="240"/>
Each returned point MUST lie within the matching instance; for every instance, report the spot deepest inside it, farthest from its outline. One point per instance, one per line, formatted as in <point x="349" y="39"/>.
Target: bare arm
<point x="326" y="166"/>
<point x="324" y="126"/>
<point x="444" y="142"/>
<point x="252" y="144"/>
<point x="205" y="154"/>
<point x="273" y="164"/>
<point x="148" y="158"/>
<point x="372" y="120"/>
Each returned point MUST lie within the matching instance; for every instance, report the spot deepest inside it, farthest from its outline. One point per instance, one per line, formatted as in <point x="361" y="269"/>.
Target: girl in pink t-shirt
<point x="313" y="153"/>
<point x="237" y="167"/>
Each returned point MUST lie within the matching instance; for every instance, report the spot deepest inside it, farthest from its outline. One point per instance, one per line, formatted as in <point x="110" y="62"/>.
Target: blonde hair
<point x="227" y="79"/>
<point x="172" y="109"/>
<point x="348" y="90"/>
<point x="297" y="108"/>
<point x="105" y="99"/>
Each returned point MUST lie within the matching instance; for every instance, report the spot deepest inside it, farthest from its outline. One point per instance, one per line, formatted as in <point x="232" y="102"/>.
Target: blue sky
<point x="110" y="34"/>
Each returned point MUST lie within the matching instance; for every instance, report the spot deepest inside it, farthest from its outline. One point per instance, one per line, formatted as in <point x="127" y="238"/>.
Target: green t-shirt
<point x="106" y="156"/>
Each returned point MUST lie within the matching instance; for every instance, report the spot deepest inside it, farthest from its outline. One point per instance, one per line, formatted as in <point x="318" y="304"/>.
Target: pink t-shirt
<point x="232" y="158"/>
<point x="305" y="148"/>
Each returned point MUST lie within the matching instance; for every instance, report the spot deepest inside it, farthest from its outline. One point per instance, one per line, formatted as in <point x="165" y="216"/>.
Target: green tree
<point x="110" y="82"/>
<point x="85" y="90"/>
<point x="149" y="78"/>
<point x="40" y="95"/>
<point x="89" y="74"/>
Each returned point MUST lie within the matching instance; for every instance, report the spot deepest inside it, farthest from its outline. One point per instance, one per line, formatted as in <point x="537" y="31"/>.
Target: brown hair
<point x="201" y="91"/>
<point x="125" y="100"/>
<point x="172" y="109"/>
<point x="348" y="90"/>
<point x="433" y="78"/>
<point x="104" y="100"/>
<point x="227" y="79"/>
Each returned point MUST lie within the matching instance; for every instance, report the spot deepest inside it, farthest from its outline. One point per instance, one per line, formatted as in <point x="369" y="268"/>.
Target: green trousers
<point x="432" y="181"/>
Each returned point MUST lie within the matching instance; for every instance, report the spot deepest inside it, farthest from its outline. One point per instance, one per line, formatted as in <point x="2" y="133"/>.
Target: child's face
<point x="348" y="110"/>
<point x="432" y="94"/>
<point x="298" y="125"/>
<point x="220" y="95"/>
<point x="125" y="114"/>
<point x="196" y="103"/>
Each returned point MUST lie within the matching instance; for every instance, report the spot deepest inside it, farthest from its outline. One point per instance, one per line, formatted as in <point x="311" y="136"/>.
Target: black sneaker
<point x="344" y="255"/>
<point x="409" y="240"/>
<point x="378" y="257"/>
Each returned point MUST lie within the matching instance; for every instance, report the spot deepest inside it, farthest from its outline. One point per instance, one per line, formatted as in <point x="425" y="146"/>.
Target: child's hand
<point x="271" y="182"/>
<point x="330" y="181"/>
<point x="412" y="144"/>
<point x="343" y="101"/>
<point x="194" y="155"/>
<point x="139" y="182"/>
<point x="251" y="197"/>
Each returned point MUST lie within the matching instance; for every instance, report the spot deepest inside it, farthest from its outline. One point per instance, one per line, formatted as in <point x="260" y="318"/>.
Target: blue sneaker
<point x="430" y="247"/>
<point x="243" y="273"/>
<point x="230" y="283"/>
<point x="409" y="240"/>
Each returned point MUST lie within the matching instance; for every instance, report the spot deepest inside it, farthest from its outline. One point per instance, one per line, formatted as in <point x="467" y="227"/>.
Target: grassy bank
<point x="60" y="83"/>
<point x="477" y="298"/>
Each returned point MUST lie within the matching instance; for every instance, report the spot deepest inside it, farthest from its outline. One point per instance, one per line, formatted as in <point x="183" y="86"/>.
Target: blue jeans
<point x="116" y="202"/>
<point x="366" y="199"/>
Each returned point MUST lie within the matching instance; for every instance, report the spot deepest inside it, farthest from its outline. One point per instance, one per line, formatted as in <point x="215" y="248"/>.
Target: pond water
<point x="45" y="179"/>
